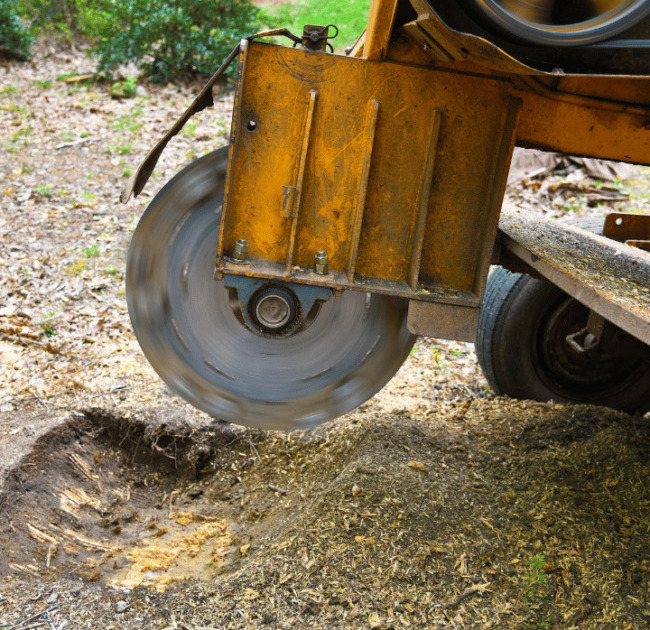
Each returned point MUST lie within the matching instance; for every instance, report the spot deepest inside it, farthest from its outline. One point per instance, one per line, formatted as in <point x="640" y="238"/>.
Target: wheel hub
<point x="273" y="309"/>
<point x="595" y="364"/>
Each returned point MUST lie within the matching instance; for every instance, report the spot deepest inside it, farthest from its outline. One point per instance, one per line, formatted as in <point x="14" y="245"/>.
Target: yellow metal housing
<point x="393" y="160"/>
<point x="396" y="172"/>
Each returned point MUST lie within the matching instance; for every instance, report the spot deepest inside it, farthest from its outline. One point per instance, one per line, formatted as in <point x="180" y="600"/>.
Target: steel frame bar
<point x="609" y="277"/>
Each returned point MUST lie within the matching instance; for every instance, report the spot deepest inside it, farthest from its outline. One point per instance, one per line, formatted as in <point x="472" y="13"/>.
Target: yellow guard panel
<point x="396" y="172"/>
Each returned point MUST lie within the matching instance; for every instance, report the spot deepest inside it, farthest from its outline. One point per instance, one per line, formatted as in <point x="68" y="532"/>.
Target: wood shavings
<point x="419" y="466"/>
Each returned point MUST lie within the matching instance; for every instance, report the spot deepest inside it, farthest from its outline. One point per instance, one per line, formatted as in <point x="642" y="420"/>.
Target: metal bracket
<point x="631" y="229"/>
<point x="316" y="37"/>
<point x="589" y="337"/>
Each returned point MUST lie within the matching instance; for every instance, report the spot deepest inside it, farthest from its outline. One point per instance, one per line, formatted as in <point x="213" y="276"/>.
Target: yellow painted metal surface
<point x="393" y="160"/>
<point x="596" y="131"/>
<point x="378" y="31"/>
<point x="597" y="116"/>
<point x="396" y="172"/>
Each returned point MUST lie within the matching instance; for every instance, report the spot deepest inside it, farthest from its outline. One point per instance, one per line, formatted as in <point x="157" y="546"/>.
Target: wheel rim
<point x="563" y="22"/>
<point x="589" y="376"/>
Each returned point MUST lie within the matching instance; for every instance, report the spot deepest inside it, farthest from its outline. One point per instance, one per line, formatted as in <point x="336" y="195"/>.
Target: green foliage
<point x="15" y="38"/>
<point x="69" y="18"/>
<point x="47" y="329"/>
<point x="535" y="595"/>
<point x="124" y="89"/>
<point x="91" y="252"/>
<point x="535" y="578"/>
<point x="169" y="39"/>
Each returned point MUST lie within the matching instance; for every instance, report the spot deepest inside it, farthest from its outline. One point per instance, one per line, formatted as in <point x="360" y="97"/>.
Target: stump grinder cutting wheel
<point x="190" y="328"/>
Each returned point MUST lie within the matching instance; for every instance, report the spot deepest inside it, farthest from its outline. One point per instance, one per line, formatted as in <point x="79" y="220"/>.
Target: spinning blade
<point x="190" y="333"/>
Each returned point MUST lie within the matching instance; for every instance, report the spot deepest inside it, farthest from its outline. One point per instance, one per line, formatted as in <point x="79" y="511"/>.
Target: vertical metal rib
<point x="498" y="177"/>
<point x="313" y="94"/>
<point x="234" y="133"/>
<point x="373" y="115"/>
<point x="423" y="202"/>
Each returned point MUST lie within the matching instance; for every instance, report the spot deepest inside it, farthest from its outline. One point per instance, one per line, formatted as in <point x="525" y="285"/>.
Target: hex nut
<point x="240" y="253"/>
<point x="321" y="263"/>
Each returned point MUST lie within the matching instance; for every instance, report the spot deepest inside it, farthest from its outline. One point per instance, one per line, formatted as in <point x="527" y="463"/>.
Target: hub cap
<point x="274" y="309"/>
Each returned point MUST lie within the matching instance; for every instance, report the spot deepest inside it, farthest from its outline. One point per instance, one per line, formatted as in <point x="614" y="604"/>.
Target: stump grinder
<point x="282" y="280"/>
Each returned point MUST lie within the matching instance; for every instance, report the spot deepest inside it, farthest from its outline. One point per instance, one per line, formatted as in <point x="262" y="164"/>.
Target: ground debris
<point x="558" y="531"/>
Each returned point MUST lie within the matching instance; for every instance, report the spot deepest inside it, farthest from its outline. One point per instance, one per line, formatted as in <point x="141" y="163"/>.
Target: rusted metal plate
<point x="396" y="172"/>
<point x="443" y="321"/>
<point x="624" y="226"/>
<point x="611" y="278"/>
<point x="581" y="125"/>
<point x="596" y="116"/>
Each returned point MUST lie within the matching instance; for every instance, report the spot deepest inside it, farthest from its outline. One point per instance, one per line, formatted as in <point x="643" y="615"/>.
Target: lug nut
<point x="240" y="253"/>
<point x="320" y="263"/>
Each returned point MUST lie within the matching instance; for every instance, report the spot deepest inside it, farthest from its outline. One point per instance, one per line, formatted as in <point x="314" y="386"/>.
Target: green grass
<point x="349" y="15"/>
<point x="91" y="252"/>
<point x="536" y="596"/>
<point x="47" y="329"/>
<point x="535" y="578"/>
<point x="77" y="267"/>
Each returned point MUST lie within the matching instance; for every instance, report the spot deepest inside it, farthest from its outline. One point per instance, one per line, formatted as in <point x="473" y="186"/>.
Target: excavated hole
<point x="125" y="502"/>
<point x="158" y="500"/>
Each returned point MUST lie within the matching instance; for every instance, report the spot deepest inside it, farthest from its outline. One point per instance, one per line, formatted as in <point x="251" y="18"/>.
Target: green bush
<point x="169" y="38"/>
<point x="15" y="38"/>
<point x="69" y="18"/>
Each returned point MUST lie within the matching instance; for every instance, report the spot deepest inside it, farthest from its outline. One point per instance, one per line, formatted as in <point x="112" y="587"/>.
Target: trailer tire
<point x="522" y="349"/>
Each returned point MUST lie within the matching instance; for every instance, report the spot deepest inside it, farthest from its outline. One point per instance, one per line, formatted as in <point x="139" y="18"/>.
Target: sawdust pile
<point x="484" y="513"/>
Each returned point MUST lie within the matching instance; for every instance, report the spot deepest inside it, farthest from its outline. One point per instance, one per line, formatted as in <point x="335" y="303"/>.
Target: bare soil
<point x="435" y="504"/>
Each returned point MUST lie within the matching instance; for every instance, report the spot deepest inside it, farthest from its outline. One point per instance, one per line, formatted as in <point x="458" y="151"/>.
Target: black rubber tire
<point x="596" y="28"/>
<point x="521" y="350"/>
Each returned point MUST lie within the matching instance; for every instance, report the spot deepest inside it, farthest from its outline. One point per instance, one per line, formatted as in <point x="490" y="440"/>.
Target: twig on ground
<point x="49" y="621"/>
<point x="74" y="143"/>
<point x="472" y="590"/>
<point x="46" y="612"/>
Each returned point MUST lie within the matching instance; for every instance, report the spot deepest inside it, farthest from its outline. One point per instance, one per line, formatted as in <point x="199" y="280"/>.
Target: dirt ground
<point x="435" y="504"/>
